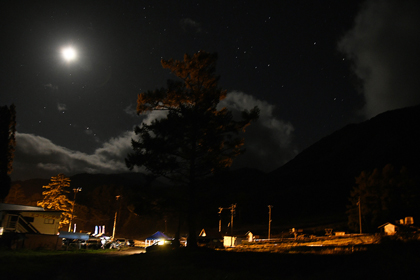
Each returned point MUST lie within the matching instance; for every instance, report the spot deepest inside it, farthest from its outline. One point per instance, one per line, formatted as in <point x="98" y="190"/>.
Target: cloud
<point x="51" y="86"/>
<point x="61" y="107"/>
<point x="146" y="118"/>
<point x="383" y="45"/>
<point x="189" y="24"/>
<point x="269" y="144"/>
<point x="38" y="157"/>
<point x="268" y="141"/>
<point x="131" y="110"/>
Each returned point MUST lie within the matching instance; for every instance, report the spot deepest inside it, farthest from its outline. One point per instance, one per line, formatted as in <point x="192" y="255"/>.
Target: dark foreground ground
<point x="390" y="261"/>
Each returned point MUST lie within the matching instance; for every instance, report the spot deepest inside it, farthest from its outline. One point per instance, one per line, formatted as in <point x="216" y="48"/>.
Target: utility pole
<point x="269" y="221"/>
<point x="220" y="219"/>
<point x="115" y="219"/>
<point x="360" y="216"/>
<point x="76" y="190"/>
<point x="232" y="212"/>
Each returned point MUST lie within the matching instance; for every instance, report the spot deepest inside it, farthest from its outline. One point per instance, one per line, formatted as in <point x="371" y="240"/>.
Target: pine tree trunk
<point x="191" y="216"/>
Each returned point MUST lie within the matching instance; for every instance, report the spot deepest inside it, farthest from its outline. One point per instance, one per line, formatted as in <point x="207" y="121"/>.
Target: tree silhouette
<point x="196" y="138"/>
<point x="55" y="198"/>
<point x="7" y="147"/>
<point x="385" y="195"/>
<point x="16" y="195"/>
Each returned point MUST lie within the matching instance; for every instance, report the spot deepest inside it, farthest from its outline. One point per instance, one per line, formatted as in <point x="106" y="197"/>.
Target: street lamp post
<point x="115" y="220"/>
<point x="76" y="190"/>
<point x="269" y="221"/>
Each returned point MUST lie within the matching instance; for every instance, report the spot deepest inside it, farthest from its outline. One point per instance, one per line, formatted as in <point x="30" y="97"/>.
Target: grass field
<point x="389" y="261"/>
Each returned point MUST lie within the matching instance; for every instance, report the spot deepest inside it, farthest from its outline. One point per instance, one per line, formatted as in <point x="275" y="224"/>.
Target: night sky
<point x="312" y="67"/>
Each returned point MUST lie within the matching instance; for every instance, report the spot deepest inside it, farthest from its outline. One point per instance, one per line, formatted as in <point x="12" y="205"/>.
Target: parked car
<point x="93" y="243"/>
<point x="121" y="241"/>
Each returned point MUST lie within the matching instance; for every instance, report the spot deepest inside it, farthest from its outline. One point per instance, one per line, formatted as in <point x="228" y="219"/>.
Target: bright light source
<point x="69" y="54"/>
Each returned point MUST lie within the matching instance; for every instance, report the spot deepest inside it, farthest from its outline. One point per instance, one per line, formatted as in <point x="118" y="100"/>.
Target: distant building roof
<point x="16" y="207"/>
<point x="388" y="224"/>
<point x="210" y="233"/>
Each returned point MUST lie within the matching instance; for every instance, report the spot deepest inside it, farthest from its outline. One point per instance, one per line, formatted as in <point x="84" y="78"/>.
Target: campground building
<point x="23" y="226"/>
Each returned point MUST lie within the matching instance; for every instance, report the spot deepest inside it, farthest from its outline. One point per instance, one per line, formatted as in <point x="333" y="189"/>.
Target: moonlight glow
<point x="69" y="54"/>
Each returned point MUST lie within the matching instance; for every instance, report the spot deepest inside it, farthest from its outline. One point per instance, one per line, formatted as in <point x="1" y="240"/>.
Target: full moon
<point x="69" y="54"/>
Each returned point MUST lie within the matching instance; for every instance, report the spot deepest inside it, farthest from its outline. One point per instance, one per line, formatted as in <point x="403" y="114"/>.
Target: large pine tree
<point x="195" y="139"/>
<point x="55" y="198"/>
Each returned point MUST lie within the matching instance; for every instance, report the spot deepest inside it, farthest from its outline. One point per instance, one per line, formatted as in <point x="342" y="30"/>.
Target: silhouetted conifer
<point x="194" y="138"/>
<point x="7" y="147"/>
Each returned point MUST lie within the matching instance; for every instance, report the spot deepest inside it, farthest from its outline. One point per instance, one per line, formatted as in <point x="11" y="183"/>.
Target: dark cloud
<point x="61" y="107"/>
<point x="269" y="141"/>
<point x="384" y="45"/>
<point x="51" y="86"/>
<point x="131" y="110"/>
<point x="188" y="24"/>
<point x="269" y="144"/>
<point x="38" y="157"/>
